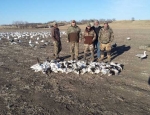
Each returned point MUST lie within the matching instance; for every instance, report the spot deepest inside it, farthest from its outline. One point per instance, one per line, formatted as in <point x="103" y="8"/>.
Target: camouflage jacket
<point x="74" y="33"/>
<point x="106" y="35"/>
<point x="89" y="36"/>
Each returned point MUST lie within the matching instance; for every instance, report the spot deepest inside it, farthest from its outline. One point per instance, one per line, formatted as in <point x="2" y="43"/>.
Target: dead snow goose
<point x="42" y="40"/>
<point x="105" y="71"/>
<point x="37" y="38"/>
<point x="97" y="70"/>
<point x="30" y="41"/>
<point x="36" y="42"/>
<point x="84" y="70"/>
<point x="36" y="67"/>
<point x="117" y="66"/>
<point x="114" y="71"/>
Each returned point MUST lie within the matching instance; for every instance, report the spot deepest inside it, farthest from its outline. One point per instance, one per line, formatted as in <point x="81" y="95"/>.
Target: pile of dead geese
<point x="78" y="67"/>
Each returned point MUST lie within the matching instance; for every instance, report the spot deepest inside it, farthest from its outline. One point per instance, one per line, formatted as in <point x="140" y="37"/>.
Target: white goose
<point x="36" y="42"/>
<point x="30" y="42"/>
<point x="128" y="38"/>
<point x="142" y="56"/>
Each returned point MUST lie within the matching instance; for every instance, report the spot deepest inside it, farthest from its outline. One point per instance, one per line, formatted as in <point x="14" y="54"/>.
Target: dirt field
<point x="24" y="92"/>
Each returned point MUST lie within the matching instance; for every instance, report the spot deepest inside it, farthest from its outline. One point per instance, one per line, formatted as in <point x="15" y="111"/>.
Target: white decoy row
<point x="32" y="38"/>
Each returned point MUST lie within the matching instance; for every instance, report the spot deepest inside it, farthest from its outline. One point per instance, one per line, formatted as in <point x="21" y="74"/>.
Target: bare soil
<point x="24" y="92"/>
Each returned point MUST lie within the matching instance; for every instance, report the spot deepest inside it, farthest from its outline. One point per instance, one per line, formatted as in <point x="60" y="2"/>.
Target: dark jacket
<point x="96" y="30"/>
<point x="55" y="34"/>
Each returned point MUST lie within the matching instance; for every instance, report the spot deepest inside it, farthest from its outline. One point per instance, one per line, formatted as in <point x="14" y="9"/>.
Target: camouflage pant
<point x="74" y="48"/>
<point x="88" y="47"/>
<point x="57" y="48"/>
<point x="106" y="47"/>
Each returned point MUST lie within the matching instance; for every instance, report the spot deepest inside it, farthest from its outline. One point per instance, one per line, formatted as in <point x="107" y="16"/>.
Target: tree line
<point x="25" y="24"/>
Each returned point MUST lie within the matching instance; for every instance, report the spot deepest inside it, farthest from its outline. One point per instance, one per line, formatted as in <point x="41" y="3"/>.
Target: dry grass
<point x="141" y="24"/>
<point x="24" y="92"/>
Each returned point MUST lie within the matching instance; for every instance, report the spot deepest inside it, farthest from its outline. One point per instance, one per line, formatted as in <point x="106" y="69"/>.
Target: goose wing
<point x="139" y="55"/>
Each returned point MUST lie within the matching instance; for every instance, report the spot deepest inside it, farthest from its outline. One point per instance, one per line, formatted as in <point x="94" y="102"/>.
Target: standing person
<point x="89" y="37"/>
<point x="74" y="37"/>
<point x="97" y="28"/>
<point x="55" y="33"/>
<point x="106" y="36"/>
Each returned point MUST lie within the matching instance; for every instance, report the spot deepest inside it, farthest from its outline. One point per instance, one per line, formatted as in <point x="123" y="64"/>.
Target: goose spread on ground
<point x="78" y="67"/>
<point x="41" y="38"/>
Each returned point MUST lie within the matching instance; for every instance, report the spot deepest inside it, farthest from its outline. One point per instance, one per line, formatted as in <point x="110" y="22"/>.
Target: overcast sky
<point x="47" y="10"/>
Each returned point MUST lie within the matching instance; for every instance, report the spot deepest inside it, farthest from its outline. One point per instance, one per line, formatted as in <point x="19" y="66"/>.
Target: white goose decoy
<point x="31" y="44"/>
<point x="128" y="38"/>
<point x="142" y="55"/>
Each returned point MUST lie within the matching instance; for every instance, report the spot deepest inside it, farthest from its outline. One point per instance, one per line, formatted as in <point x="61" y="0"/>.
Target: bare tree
<point x="101" y="21"/>
<point x="113" y="19"/>
<point x="132" y="19"/>
<point x="20" y="24"/>
<point x="109" y="20"/>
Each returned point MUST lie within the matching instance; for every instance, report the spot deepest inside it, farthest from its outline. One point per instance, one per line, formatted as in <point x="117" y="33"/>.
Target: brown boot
<point x="84" y="58"/>
<point x="76" y="58"/>
<point x="92" y="57"/>
<point x="108" y="56"/>
<point x="72" y="57"/>
<point x="102" y="56"/>
<point x="56" y="57"/>
<point x="101" y="59"/>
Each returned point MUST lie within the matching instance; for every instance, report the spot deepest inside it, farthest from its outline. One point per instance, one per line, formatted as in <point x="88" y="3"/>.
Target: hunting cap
<point x="88" y="25"/>
<point x="96" y="21"/>
<point x="105" y="22"/>
<point x="54" y="23"/>
<point x="73" y="21"/>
